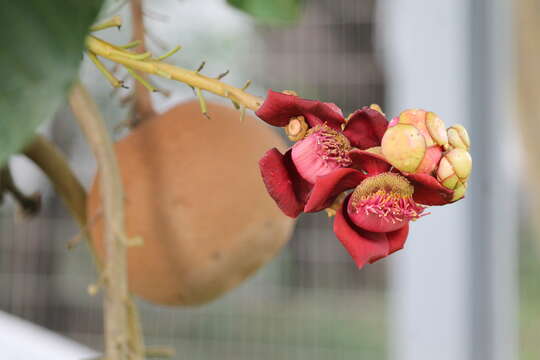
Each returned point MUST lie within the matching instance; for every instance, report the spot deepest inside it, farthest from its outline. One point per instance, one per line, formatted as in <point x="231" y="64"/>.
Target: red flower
<point x="291" y="178"/>
<point x="335" y="155"/>
<point x="373" y="221"/>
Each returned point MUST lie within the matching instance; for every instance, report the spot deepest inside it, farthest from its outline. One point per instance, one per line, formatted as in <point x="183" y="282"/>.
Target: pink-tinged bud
<point x="430" y="161"/>
<point x="435" y="127"/>
<point x="408" y="156"/>
<point x="417" y="118"/>
<point x="383" y="203"/>
<point x="321" y="151"/>
<point x="404" y="147"/>
<point x="458" y="137"/>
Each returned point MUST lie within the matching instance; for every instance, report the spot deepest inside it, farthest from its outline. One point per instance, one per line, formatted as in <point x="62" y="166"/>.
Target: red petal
<point x="302" y="187"/>
<point x="428" y="191"/>
<point x="327" y="187"/>
<point x="366" y="128"/>
<point x="396" y="239"/>
<point x="278" y="108"/>
<point x="279" y="183"/>
<point x="363" y="246"/>
<point x="369" y="162"/>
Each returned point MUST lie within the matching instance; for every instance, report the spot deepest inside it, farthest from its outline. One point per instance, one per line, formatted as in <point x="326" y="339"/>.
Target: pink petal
<point x="363" y="246"/>
<point x="396" y="239"/>
<point x="327" y="187"/>
<point x="279" y="182"/>
<point x="366" y="128"/>
<point x="369" y="162"/>
<point x="428" y="191"/>
<point x="431" y="160"/>
<point x="278" y="108"/>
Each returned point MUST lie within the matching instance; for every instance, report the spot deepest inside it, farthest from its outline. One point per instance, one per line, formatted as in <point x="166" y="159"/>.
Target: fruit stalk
<point x="143" y="103"/>
<point x="116" y="299"/>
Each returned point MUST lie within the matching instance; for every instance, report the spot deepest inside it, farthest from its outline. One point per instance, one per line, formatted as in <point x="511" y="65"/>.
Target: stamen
<point x="390" y="207"/>
<point x="390" y="182"/>
<point x="321" y="150"/>
<point x="333" y="145"/>
<point x="384" y="203"/>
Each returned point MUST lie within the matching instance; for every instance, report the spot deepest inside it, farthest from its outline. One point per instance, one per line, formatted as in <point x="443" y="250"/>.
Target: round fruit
<point x="193" y="192"/>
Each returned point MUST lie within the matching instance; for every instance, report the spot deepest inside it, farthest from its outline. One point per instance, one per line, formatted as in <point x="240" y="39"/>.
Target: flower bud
<point x="404" y="147"/>
<point x="436" y="130"/>
<point x="459" y="191"/>
<point x="430" y="160"/>
<point x="461" y="162"/>
<point x="321" y="151"/>
<point x="431" y="128"/>
<point x="458" y="137"/>
<point x="454" y="170"/>
<point x="417" y="118"/>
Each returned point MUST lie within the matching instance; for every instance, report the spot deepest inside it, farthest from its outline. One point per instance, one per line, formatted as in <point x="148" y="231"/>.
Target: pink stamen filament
<point x="332" y="148"/>
<point x="390" y="207"/>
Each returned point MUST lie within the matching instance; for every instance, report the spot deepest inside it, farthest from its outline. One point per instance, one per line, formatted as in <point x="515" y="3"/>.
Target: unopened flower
<point x="458" y="137"/>
<point x="415" y="141"/>
<point x="454" y="170"/>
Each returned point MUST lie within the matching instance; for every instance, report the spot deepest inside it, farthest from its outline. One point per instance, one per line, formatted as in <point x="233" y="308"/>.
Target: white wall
<point x="22" y="340"/>
<point x="453" y="289"/>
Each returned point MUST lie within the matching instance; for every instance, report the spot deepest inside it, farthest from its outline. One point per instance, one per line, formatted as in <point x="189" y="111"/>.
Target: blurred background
<point x="466" y="287"/>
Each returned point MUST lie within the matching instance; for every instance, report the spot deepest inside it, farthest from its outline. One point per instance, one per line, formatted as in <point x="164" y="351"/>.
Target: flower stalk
<point x="146" y="64"/>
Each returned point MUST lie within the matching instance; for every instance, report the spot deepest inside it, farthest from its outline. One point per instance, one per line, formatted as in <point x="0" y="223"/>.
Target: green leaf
<point x="274" y="12"/>
<point x="42" y="43"/>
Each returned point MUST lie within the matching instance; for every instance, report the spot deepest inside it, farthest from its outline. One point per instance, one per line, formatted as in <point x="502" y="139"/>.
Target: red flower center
<point x="383" y="203"/>
<point x="321" y="151"/>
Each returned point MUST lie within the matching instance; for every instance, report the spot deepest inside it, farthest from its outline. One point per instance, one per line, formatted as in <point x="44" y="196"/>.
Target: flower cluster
<point x="374" y="175"/>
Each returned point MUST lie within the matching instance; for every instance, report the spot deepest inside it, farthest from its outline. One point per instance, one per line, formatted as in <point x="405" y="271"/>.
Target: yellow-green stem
<point x="190" y="77"/>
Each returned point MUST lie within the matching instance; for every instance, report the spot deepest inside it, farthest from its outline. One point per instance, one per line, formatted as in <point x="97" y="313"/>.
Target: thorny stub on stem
<point x="146" y="63"/>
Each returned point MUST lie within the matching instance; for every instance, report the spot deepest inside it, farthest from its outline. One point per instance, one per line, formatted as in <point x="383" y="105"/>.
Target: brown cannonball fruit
<point x="193" y="192"/>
